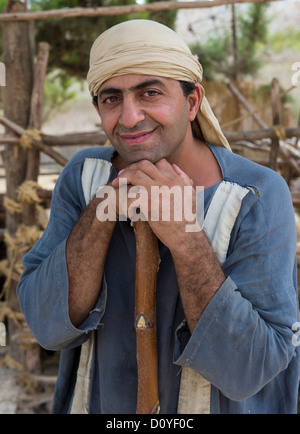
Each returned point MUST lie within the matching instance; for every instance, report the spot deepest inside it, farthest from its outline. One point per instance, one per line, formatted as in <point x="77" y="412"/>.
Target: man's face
<point x="144" y="117"/>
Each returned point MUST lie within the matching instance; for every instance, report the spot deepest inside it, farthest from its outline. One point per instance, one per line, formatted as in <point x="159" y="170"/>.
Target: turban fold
<point x="150" y="48"/>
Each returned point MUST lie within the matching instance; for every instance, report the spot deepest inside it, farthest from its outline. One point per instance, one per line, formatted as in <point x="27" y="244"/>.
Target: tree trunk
<point x="18" y="50"/>
<point x="235" y="74"/>
<point x="35" y="122"/>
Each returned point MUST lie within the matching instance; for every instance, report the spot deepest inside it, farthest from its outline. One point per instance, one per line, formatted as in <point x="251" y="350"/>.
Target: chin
<point x="139" y="156"/>
<point x="135" y="153"/>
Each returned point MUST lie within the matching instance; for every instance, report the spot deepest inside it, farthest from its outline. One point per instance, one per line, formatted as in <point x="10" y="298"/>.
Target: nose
<point x="131" y="112"/>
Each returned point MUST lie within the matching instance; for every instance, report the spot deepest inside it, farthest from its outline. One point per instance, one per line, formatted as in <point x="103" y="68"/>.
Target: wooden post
<point x="18" y="50"/>
<point x="32" y="356"/>
<point x="36" y="116"/>
<point x="276" y="121"/>
<point x="36" y="110"/>
<point x="287" y="116"/>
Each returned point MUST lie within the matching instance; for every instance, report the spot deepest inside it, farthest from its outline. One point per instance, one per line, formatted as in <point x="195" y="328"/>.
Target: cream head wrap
<point x="149" y="48"/>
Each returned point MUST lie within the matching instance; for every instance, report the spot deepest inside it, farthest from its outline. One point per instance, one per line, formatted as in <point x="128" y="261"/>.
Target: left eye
<point x="111" y="99"/>
<point x="151" y="93"/>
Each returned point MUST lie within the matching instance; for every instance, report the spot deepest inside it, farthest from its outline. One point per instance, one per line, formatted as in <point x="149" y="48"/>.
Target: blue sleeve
<point x="43" y="287"/>
<point x="244" y="337"/>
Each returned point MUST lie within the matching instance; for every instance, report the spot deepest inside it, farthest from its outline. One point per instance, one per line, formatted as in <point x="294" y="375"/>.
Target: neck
<point x="200" y="164"/>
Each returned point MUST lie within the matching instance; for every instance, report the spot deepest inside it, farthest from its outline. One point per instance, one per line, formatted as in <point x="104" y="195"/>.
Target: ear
<point x="194" y="100"/>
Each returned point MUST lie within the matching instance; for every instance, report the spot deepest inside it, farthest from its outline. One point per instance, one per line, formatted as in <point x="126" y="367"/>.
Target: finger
<point x="165" y="168"/>
<point x="142" y="171"/>
<point x="168" y="170"/>
<point x="177" y="169"/>
<point x="132" y="177"/>
<point x="182" y="174"/>
<point x="145" y="166"/>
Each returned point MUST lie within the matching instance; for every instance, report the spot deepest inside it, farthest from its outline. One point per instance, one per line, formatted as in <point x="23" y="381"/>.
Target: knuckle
<point x="136" y="175"/>
<point x="163" y="162"/>
<point x="145" y="164"/>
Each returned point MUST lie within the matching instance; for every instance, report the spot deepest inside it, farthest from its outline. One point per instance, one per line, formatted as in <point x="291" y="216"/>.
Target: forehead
<point x="136" y="82"/>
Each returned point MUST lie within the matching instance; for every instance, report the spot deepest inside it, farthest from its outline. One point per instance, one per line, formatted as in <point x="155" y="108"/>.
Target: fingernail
<point x="176" y="168"/>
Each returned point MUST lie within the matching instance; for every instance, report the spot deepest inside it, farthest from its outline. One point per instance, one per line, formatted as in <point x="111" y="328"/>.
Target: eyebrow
<point x="142" y="85"/>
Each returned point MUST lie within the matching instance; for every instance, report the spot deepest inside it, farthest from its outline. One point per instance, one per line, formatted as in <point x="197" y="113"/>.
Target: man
<point x="226" y="295"/>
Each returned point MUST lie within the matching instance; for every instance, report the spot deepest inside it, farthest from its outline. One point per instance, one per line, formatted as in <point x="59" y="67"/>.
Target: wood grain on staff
<point x="147" y="260"/>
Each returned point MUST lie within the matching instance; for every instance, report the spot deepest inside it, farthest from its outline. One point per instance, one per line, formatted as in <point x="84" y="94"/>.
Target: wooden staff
<point x="147" y="260"/>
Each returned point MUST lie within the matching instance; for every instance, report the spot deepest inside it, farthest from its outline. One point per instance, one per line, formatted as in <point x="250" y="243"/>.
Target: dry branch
<point x="38" y="144"/>
<point x="252" y="135"/>
<point x="246" y="104"/>
<point x="88" y="138"/>
<point x="276" y="145"/>
<point x="252" y="112"/>
<point x="119" y="10"/>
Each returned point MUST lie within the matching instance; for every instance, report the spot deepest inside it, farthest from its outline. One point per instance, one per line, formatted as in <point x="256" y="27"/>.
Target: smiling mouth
<point x="137" y="138"/>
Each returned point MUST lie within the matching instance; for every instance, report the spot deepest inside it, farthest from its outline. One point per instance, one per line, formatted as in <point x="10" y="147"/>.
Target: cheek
<point x="177" y="110"/>
<point x="179" y="119"/>
<point x="108" y="121"/>
<point x="166" y="111"/>
<point x="164" y="116"/>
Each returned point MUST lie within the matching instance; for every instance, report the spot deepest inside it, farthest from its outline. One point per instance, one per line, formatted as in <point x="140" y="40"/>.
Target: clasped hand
<point x="160" y="193"/>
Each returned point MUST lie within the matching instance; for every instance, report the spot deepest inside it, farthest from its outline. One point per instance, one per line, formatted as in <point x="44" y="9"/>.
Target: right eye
<point x="110" y="99"/>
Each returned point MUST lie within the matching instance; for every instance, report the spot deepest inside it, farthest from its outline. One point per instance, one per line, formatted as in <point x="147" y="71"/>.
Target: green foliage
<point x="167" y="18"/>
<point x="213" y="56"/>
<point x="288" y="39"/>
<point x="253" y="33"/>
<point x="71" y="38"/>
<point x="58" y="92"/>
<point x="217" y="56"/>
<point x="2" y="4"/>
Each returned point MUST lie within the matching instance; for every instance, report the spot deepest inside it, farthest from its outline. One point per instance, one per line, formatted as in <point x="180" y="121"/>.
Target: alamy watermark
<point x="2" y="335"/>
<point x="296" y="328"/>
<point x="175" y="203"/>
<point x="2" y="325"/>
<point x="2" y="74"/>
<point x="296" y="76"/>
